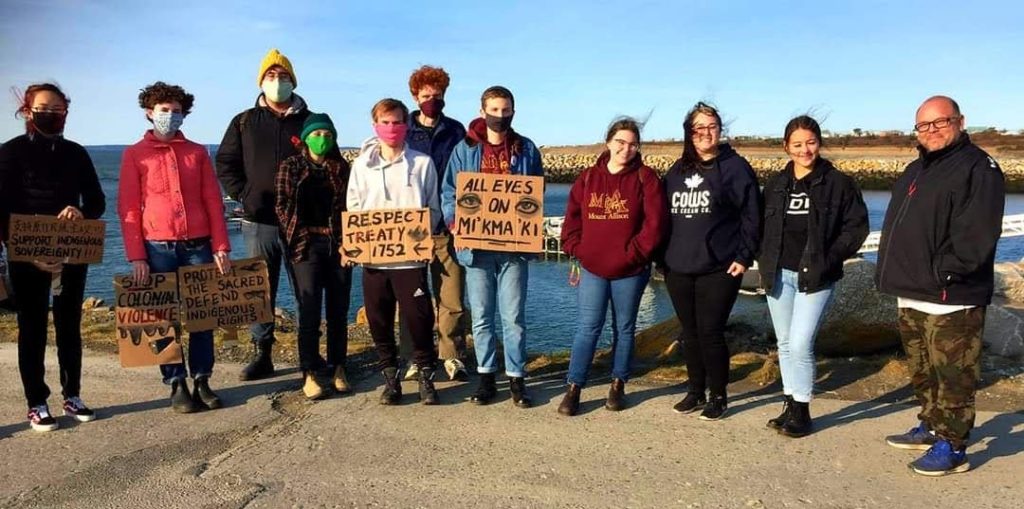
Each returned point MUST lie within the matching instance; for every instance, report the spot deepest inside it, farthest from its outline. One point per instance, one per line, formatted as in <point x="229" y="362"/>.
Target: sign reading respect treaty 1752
<point x="51" y="240"/>
<point x="499" y="212"/>
<point x="386" y="236"/>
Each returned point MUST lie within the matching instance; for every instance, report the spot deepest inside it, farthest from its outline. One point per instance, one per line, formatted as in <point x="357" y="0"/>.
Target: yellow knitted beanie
<point x="273" y="58"/>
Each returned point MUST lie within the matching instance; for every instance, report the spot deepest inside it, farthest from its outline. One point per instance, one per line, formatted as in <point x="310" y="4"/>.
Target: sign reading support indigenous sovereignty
<point x="499" y="212"/>
<point x="386" y="236"/>
<point x="147" y="321"/>
<point x="51" y="240"/>
<point x="211" y="300"/>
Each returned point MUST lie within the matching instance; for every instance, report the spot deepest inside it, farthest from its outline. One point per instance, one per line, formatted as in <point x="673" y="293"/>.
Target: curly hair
<point x="428" y="76"/>
<point x="160" y="92"/>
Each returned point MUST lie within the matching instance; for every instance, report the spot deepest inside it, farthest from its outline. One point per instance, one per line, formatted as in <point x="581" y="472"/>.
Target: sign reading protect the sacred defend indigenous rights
<point x="499" y="212"/>
<point x="386" y="236"/>
<point x="211" y="300"/>
<point x="147" y="321"/>
<point x="51" y="240"/>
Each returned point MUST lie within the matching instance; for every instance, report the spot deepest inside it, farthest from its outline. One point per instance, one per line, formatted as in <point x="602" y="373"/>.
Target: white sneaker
<point x="74" y="407"/>
<point x="412" y="372"/>
<point x="456" y="370"/>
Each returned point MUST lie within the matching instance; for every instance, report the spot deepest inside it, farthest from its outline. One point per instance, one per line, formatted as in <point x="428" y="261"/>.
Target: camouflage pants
<point x="944" y="356"/>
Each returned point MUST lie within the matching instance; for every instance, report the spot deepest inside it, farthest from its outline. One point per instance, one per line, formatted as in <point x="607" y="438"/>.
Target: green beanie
<point x="317" y="121"/>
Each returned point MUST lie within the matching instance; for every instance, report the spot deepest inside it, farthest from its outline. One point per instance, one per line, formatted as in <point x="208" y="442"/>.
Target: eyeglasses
<point x="939" y="123"/>
<point x="623" y="143"/>
<point x="275" y="75"/>
<point x="53" y="109"/>
<point x="697" y="129"/>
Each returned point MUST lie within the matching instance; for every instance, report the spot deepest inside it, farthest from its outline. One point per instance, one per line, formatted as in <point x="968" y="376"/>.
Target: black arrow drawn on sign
<point x="417" y="248"/>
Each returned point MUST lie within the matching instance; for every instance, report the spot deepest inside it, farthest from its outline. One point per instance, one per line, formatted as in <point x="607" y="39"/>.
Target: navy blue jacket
<point x="448" y="132"/>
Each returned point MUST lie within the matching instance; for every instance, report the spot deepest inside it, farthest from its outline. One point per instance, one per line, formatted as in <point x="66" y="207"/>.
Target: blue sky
<point x="573" y="65"/>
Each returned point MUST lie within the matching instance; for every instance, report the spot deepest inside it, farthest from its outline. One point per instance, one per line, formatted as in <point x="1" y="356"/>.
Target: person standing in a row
<point x="714" y="203"/>
<point x="814" y="219"/>
<point x="41" y="172"/>
<point x="172" y="215"/>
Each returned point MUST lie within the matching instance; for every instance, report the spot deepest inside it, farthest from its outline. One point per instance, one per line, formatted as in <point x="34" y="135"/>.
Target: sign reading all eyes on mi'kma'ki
<point x="499" y="212"/>
<point x="386" y="236"/>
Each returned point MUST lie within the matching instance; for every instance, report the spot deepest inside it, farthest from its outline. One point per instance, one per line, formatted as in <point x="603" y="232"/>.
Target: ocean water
<point x="551" y="302"/>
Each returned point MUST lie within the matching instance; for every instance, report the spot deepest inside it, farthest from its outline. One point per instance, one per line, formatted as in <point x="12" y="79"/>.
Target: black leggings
<point x="32" y="292"/>
<point x="320" y="279"/>
<point x="703" y="303"/>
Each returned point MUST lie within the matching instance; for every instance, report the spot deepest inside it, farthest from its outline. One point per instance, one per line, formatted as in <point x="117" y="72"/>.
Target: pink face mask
<point x="391" y="134"/>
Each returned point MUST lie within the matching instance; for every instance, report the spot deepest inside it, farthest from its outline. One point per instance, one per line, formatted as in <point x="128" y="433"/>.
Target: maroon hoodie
<point x="614" y="222"/>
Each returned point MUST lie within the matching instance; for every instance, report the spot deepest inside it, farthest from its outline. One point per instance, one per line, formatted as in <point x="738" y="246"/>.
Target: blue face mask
<point x="166" y="123"/>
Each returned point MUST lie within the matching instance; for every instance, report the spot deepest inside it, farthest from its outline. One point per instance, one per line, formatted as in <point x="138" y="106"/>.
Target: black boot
<point x="181" y="399"/>
<point x="261" y="366"/>
<point x="778" y="422"/>
<point x="799" y="423"/>
<point x="428" y="393"/>
<point x="392" y="393"/>
<point x="571" y="402"/>
<point x="203" y="396"/>
<point x="520" y="398"/>
<point x="616" y="396"/>
<point x="486" y="391"/>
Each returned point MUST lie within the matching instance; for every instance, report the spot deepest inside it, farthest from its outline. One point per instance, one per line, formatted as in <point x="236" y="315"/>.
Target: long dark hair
<point x="690" y="157"/>
<point x="802" y="122"/>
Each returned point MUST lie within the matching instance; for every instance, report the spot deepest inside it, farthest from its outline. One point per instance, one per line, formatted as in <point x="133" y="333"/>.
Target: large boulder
<point x="1004" y="328"/>
<point x="1009" y="282"/>
<point x="859" y="320"/>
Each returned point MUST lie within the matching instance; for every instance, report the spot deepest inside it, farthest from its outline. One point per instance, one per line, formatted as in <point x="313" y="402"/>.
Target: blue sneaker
<point x="919" y="438"/>
<point x="940" y="460"/>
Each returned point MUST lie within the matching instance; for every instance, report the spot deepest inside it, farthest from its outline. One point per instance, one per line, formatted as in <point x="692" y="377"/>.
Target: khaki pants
<point x="447" y="280"/>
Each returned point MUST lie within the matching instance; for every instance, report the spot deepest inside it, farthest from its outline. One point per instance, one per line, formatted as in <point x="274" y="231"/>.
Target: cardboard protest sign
<point x="211" y="300"/>
<point x="147" y="320"/>
<point x="499" y="212"/>
<point x="386" y="236"/>
<point x="52" y="240"/>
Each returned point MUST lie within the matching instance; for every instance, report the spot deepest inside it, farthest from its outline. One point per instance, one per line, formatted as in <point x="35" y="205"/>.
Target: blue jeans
<point x="592" y="298"/>
<point x="496" y="282"/>
<point x="796" y="316"/>
<point x="167" y="256"/>
<point x="264" y="241"/>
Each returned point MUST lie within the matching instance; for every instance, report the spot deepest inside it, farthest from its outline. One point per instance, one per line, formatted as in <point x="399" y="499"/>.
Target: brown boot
<point x="616" y="396"/>
<point x="341" y="381"/>
<point x="571" y="402"/>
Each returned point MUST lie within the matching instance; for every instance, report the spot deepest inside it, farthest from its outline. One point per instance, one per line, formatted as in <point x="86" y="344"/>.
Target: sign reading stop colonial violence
<point x="147" y="320"/>
<point x="211" y="300"/>
<point x="51" y="240"/>
<point x="499" y="212"/>
<point x="386" y="236"/>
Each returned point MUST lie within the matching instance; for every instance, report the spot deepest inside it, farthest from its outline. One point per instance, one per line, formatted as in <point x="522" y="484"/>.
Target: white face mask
<point x="277" y="91"/>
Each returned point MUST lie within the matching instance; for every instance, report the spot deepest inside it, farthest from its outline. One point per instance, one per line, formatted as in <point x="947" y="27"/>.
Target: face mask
<point x="498" y="124"/>
<point x="391" y="134"/>
<point x="319" y="145"/>
<point x="432" y="108"/>
<point x="277" y="91"/>
<point x="167" y="123"/>
<point x="48" y="122"/>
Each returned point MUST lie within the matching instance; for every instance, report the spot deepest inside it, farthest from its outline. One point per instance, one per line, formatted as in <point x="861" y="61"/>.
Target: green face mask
<point x="319" y="145"/>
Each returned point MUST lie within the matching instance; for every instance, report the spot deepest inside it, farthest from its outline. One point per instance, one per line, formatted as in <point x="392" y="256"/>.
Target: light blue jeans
<point x="796" y="316"/>
<point x="496" y="286"/>
<point x="592" y="297"/>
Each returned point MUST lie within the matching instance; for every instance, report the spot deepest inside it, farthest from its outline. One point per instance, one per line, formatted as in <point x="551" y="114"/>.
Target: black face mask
<point x="498" y="124"/>
<point x="48" y="123"/>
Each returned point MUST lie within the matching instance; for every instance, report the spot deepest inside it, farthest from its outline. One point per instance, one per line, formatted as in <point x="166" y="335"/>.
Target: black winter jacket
<point x="939" y="239"/>
<point x="836" y="226"/>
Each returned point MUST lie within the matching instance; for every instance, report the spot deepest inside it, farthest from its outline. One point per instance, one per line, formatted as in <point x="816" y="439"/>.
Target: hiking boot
<point x="571" y="402"/>
<point x="520" y="398"/>
<point x="941" y="459"/>
<point x="311" y="387"/>
<point x="690" y="403"/>
<point x="778" y="422"/>
<point x="181" y="398"/>
<point x="392" y="393"/>
<point x="428" y="393"/>
<point x="74" y="407"/>
<point x="261" y="366"/>
<point x="919" y="438"/>
<point x="40" y="419"/>
<point x="715" y="409"/>
<point x="616" y="396"/>
<point x="412" y="373"/>
<point x="486" y="391"/>
<point x="340" y="381"/>
<point x="203" y="396"/>
<point x="456" y="370"/>
<point x="799" y="423"/>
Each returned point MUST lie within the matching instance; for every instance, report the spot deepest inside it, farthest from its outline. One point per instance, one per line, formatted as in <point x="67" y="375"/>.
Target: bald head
<point x="938" y="123"/>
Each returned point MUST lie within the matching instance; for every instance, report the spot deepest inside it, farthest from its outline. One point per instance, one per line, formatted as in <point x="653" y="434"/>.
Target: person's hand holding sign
<point x="223" y="262"/>
<point x="52" y="268"/>
<point x="71" y="214"/>
<point x="140" y="271"/>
